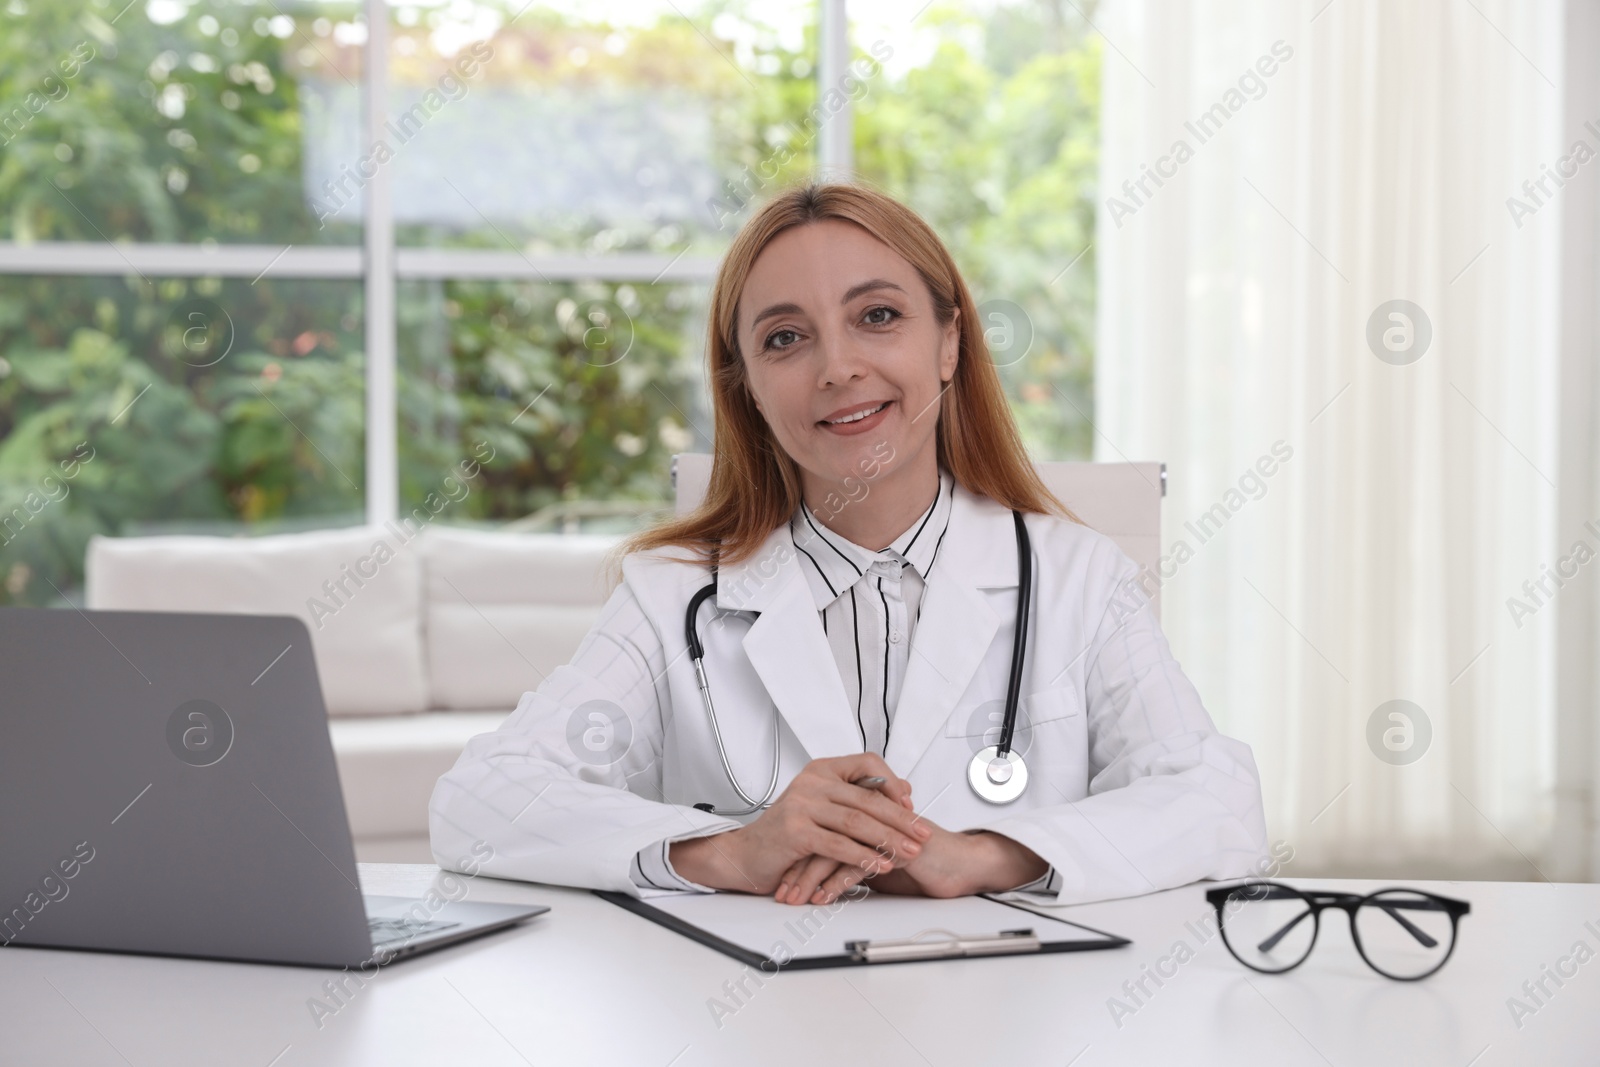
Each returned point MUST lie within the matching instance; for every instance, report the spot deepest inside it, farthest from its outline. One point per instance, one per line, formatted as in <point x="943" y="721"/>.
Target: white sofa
<point x="420" y="644"/>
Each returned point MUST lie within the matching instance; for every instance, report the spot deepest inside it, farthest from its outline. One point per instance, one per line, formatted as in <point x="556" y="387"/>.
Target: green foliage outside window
<point x="192" y="131"/>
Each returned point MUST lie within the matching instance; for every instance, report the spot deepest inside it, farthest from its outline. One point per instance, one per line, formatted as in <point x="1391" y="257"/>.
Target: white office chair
<point x="1120" y="500"/>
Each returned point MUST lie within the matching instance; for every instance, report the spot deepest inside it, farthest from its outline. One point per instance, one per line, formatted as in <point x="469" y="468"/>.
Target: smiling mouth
<point x="857" y="417"/>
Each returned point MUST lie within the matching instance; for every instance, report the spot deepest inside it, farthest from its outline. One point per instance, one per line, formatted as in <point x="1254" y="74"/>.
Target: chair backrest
<point x="1120" y="500"/>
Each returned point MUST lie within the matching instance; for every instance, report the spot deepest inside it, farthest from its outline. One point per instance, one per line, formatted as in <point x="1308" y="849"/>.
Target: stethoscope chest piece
<point x="996" y="778"/>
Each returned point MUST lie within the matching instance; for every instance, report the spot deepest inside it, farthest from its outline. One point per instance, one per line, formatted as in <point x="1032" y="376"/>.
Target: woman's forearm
<point x="1004" y="863"/>
<point x="705" y="860"/>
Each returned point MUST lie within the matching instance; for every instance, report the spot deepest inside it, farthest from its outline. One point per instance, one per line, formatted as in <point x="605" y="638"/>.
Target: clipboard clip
<point x="950" y="945"/>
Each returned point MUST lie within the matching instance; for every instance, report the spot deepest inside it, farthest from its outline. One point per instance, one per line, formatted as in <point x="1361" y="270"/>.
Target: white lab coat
<point x="1132" y="789"/>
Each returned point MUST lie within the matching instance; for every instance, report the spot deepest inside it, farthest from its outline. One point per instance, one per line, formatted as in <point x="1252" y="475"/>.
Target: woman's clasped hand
<point x="824" y="835"/>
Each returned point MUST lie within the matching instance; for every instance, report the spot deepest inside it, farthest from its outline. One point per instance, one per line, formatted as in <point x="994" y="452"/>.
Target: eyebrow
<point x="850" y="294"/>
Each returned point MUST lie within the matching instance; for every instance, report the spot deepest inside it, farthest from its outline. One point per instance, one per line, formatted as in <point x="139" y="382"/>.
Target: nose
<point x="838" y="359"/>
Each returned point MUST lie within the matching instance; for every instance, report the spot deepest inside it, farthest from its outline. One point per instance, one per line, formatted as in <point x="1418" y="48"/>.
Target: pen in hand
<point x="874" y="781"/>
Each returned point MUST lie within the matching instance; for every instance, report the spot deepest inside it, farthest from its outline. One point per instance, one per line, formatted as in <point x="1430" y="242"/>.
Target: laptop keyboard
<point x="391" y="931"/>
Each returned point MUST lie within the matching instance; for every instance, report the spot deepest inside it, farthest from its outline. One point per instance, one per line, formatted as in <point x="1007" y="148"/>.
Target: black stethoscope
<point x="997" y="774"/>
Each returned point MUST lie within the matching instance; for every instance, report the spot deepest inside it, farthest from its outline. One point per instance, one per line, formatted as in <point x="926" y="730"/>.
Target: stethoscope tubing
<point x="1019" y="644"/>
<point x="697" y="656"/>
<point x="1019" y="640"/>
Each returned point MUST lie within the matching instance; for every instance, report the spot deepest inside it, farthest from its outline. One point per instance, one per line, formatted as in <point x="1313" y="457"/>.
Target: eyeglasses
<point x="1404" y="934"/>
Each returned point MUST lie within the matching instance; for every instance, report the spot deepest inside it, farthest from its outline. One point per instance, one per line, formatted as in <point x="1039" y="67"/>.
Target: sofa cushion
<point x="505" y="609"/>
<point x="363" y="607"/>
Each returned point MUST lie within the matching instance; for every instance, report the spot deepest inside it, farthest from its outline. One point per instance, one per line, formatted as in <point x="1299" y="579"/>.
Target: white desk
<point x="589" y="983"/>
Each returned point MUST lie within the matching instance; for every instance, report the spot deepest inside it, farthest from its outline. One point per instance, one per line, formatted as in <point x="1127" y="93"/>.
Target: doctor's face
<point x="843" y="354"/>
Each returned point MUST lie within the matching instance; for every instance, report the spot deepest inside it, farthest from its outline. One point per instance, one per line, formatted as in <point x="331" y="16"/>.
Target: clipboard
<point x="862" y="929"/>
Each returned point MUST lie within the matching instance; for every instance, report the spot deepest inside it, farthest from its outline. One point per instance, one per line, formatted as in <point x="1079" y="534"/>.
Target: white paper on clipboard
<point x="761" y="925"/>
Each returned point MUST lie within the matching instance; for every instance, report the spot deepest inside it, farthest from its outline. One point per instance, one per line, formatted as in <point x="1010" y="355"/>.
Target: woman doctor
<point x="860" y="515"/>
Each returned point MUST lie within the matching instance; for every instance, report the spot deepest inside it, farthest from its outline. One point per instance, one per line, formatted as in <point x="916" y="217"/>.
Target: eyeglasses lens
<point x="1268" y="927"/>
<point x="1404" y="934"/>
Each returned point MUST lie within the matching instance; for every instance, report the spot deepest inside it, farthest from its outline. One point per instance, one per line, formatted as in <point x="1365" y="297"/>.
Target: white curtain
<point x="1375" y="562"/>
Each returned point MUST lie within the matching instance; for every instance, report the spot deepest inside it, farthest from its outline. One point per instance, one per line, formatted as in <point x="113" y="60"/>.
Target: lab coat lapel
<point x="957" y="625"/>
<point x="788" y="648"/>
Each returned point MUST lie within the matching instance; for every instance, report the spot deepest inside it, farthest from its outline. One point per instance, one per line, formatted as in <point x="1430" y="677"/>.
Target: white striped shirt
<point x="868" y="603"/>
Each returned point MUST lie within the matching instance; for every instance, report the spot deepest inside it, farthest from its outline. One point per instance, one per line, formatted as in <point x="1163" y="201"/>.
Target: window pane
<point x="176" y="121"/>
<point x="571" y="397"/>
<point x="985" y="119"/>
<point x="178" y="405"/>
<point x="595" y="127"/>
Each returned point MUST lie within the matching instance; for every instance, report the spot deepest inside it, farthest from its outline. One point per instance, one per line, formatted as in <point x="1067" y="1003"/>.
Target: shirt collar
<point x="832" y="563"/>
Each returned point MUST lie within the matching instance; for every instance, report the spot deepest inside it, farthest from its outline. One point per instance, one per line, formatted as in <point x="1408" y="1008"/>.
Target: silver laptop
<point x="167" y="786"/>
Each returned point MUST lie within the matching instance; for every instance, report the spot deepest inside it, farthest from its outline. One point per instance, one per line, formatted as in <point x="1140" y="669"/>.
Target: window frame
<point x="381" y="266"/>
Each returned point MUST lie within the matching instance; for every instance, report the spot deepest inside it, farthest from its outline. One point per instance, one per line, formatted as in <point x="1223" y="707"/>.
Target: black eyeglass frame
<point x="1349" y="903"/>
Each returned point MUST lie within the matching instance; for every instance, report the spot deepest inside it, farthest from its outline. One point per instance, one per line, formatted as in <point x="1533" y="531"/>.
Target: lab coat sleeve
<point x="568" y="790"/>
<point x="652" y="869"/>
<point x="1047" y="884"/>
<point x="1171" y="800"/>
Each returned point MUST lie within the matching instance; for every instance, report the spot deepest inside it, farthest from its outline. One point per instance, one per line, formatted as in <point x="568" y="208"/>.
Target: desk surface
<point x="589" y="983"/>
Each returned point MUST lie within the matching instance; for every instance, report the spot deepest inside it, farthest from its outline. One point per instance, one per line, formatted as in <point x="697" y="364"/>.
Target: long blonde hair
<point x="755" y="486"/>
